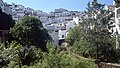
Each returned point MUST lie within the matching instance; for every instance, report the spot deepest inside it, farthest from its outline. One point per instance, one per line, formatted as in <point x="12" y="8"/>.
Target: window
<point x="62" y="36"/>
<point x="56" y="31"/>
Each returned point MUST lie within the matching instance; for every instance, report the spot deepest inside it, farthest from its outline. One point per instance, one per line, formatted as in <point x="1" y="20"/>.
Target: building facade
<point x="5" y="8"/>
<point x="57" y="22"/>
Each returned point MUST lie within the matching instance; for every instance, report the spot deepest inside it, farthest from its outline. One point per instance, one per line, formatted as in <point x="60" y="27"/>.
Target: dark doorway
<point x="61" y="41"/>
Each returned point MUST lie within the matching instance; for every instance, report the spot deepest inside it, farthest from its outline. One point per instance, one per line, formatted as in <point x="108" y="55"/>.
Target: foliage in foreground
<point x="35" y="58"/>
<point x="17" y="54"/>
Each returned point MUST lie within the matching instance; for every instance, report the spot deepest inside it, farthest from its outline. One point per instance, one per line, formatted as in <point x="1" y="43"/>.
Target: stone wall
<point x="108" y="65"/>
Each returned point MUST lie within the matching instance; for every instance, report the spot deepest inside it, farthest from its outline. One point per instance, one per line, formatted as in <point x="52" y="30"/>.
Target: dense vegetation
<point x="15" y="55"/>
<point x="29" y="45"/>
<point x="29" y="31"/>
<point x="92" y="37"/>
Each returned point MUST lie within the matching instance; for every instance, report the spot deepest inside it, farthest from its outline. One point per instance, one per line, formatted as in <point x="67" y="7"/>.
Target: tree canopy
<point x="92" y="37"/>
<point x="30" y="31"/>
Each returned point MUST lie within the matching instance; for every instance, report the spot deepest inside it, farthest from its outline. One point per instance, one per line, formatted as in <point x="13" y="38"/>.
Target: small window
<point x="56" y="31"/>
<point x="62" y="36"/>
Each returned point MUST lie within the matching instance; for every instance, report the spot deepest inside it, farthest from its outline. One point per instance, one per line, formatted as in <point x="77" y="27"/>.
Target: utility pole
<point x="117" y="21"/>
<point x="117" y="27"/>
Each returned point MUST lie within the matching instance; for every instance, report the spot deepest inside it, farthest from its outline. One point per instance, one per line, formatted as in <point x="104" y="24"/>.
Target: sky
<point x="50" y="5"/>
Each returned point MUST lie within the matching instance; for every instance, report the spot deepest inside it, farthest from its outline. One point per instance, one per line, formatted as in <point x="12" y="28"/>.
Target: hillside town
<point x="57" y="22"/>
<point x="92" y="36"/>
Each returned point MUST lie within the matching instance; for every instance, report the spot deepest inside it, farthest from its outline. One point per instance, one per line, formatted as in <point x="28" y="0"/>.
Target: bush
<point x="14" y="54"/>
<point x="8" y="52"/>
<point x="29" y="31"/>
<point x="58" y="59"/>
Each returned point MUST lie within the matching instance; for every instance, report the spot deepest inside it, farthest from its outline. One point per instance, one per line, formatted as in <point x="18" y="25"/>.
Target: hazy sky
<point x="50" y="5"/>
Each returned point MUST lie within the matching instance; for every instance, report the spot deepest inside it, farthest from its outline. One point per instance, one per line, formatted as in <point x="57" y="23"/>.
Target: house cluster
<point x="57" y="22"/>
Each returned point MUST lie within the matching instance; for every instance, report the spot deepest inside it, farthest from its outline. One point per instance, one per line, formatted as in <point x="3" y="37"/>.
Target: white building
<point x="5" y="8"/>
<point x="41" y="13"/>
<point x="60" y="10"/>
<point x="2" y="6"/>
<point x="58" y="31"/>
<point x="43" y="19"/>
<point x="18" y="11"/>
<point x="64" y="28"/>
<point x="77" y="20"/>
<point x="70" y="25"/>
<point x="62" y="34"/>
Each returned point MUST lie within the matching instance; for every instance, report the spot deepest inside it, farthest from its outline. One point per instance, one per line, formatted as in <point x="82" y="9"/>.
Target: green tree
<point x="92" y="37"/>
<point x="98" y="36"/>
<point x="29" y="31"/>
